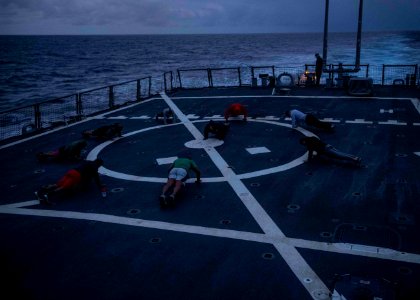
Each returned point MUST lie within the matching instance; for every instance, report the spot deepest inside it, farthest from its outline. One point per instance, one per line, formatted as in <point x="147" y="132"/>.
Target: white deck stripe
<point x="292" y="257"/>
<point x="342" y="248"/>
<point x="359" y="121"/>
<point x="416" y="103"/>
<point x="392" y="122"/>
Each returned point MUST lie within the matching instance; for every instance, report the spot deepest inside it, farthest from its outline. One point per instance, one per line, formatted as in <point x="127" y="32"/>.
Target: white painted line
<point x="21" y="204"/>
<point x="118" y="118"/>
<point x="382" y="253"/>
<point x="392" y="122"/>
<point x="416" y="124"/>
<point x="292" y="257"/>
<point x="193" y="116"/>
<point x="390" y="111"/>
<point x="331" y="120"/>
<point x="416" y="103"/>
<point x="257" y="150"/>
<point x="294" y="163"/>
<point x="166" y="161"/>
<point x="93" y="154"/>
<point x="269" y="118"/>
<point x="214" y="117"/>
<point x="359" y="121"/>
<point x="200" y="144"/>
<point x="141" y="118"/>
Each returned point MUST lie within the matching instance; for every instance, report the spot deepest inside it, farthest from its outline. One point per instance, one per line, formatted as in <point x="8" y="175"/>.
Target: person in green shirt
<point x="178" y="173"/>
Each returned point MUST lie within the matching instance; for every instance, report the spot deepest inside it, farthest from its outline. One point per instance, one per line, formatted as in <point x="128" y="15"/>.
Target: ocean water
<point x="38" y="68"/>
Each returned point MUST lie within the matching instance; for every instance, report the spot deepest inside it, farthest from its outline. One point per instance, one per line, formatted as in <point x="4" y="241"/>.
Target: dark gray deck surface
<point x="273" y="234"/>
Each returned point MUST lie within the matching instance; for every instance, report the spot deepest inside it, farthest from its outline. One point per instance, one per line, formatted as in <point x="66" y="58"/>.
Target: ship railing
<point x="338" y="75"/>
<point x="37" y="117"/>
<point x="41" y="116"/>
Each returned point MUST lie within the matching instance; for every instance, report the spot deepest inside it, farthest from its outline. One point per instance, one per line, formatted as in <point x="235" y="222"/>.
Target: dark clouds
<point x="200" y="16"/>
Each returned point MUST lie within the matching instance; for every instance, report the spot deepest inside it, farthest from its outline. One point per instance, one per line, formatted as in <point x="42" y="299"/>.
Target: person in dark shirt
<point x="105" y="132"/>
<point x="219" y="129"/>
<point x="234" y="110"/>
<point x="167" y="115"/>
<point x="79" y="177"/>
<point x="69" y="152"/>
<point x="318" y="68"/>
<point x="314" y="144"/>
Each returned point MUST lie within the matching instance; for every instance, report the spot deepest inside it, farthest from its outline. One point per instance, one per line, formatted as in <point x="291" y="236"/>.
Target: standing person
<point x="70" y="152"/>
<point x="234" y="110"/>
<point x="178" y="173"/>
<point x="314" y="144"/>
<point x="318" y="68"/>
<point x="217" y="128"/>
<point x="73" y="179"/>
<point x="299" y="117"/>
<point x="104" y="132"/>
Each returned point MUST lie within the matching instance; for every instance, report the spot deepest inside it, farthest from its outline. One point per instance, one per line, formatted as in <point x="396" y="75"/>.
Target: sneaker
<point x="162" y="200"/>
<point x="43" y="198"/>
<point x="171" y="199"/>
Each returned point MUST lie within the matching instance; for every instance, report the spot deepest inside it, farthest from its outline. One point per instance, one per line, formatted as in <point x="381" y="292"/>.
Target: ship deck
<point x="263" y="224"/>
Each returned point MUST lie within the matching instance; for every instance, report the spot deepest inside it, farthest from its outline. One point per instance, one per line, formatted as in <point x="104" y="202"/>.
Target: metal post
<point x="37" y="112"/>
<point x="209" y="78"/>
<point x="79" y="108"/>
<point x="367" y="70"/>
<point x="239" y="76"/>
<point x="179" y="77"/>
<point x="325" y="47"/>
<point x="359" y="35"/>
<point x="138" y="90"/>
<point x="150" y="85"/>
<point x="164" y="82"/>
<point x="383" y="74"/>
<point x="111" y="96"/>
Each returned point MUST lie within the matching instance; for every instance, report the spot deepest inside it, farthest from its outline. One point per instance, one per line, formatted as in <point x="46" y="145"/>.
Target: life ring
<point x="285" y="79"/>
<point x="398" y="82"/>
<point x="28" y="128"/>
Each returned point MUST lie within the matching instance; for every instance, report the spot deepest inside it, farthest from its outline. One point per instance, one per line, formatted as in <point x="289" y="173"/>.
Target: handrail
<point x="76" y="106"/>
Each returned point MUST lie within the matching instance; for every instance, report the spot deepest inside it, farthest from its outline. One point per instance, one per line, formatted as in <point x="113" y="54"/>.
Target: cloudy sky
<point x="201" y="16"/>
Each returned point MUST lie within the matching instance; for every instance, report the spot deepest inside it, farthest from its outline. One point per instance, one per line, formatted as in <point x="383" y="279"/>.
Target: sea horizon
<point x="34" y="68"/>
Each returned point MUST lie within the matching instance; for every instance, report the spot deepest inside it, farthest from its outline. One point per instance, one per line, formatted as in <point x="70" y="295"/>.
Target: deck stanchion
<point x="209" y="78"/>
<point x="239" y="76"/>
<point x="150" y="85"/>
<point x="37" y="113"/>
<point x="79" y="108"/>
<point x="138" y="90"/>
<point x="383" y="74"/>
<point x="111" y="96"/>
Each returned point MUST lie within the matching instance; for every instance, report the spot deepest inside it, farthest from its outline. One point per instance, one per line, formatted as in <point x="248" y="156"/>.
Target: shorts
<point x="69" y="180"/>
<point x="178" y="173"/>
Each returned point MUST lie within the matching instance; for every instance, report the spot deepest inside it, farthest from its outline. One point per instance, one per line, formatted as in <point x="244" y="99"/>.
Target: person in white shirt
<point x="299" y="118"/>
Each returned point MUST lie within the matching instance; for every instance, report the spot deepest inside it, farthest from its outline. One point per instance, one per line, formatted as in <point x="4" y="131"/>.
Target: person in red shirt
<point x="74" y="179"/>
<point x="234" y="110"/>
